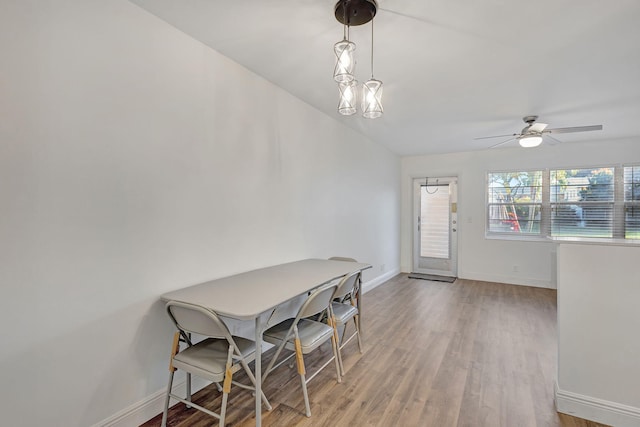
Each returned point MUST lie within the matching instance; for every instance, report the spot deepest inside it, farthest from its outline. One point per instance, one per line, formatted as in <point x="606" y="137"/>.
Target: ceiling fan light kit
<point x="530" y="141"/>
<point x="532" y="134"/>
<point x="349" y="13"/>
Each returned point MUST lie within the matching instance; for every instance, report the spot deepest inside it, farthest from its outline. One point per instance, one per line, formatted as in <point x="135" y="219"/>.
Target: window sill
<point x="578" y="240"/>
<point x="596" y="241"/>
<point x="517" y="238"/>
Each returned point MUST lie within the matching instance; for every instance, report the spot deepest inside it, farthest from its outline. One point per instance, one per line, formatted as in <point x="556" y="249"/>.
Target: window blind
<point x="597" y="202"/>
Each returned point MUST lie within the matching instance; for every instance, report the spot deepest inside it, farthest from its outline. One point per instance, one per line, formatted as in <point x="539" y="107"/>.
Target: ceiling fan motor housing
<point x="530" y="120"/>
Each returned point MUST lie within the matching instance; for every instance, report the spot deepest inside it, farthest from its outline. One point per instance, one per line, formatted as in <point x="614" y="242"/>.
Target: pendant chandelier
<point x="351" y="13"/>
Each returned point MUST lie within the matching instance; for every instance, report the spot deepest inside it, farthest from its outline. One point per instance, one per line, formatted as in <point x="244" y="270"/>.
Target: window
<point x="582" y="202"/>
<point x="515" y="202"/>
<point x="599" y="202"/>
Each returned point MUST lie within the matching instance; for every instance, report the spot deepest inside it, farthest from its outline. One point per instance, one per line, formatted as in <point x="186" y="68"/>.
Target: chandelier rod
<point x="372" y="48"/>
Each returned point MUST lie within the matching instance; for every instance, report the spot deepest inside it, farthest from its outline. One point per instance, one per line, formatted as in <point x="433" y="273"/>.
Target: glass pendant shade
<point x="530" y="141"/>
<point x="345" y="62"/>
<point x="372" y="99"/>
<point x="348" y="97"/>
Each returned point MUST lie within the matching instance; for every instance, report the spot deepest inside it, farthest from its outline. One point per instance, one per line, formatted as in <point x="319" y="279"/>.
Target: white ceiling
<point x="452" y="70"/>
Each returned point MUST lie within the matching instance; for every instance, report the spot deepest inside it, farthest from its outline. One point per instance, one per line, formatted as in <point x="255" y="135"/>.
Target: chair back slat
<point x="318" y="301"/>
<point x="286" y="310"/>
<point x="347" y="285"/>
<point x="196" y="319"/>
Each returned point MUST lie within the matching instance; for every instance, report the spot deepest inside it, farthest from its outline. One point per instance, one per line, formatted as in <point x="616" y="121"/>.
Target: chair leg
<point x="253" y="381"/>
<point x="272" y="362"/>
<point x="223" y="409"/>
<point x="175" y="347"/>
<point x="226" y="389"/>
<point x="356" y="320"/>
<point x="165" y="412"/>
<point x="301" y="372"/>
<point x="340" y="346"/>
<point x="188" y="389"/>
<point x="336" y="349"/>
<point x="307" y="407"/>
<point x="189" y="376"/>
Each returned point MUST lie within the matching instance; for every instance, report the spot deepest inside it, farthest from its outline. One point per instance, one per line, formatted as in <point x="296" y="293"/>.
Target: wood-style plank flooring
<point x="468" y="353"/>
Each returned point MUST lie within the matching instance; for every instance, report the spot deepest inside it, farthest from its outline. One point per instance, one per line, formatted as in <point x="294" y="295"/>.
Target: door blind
<point x="434" y="221"/>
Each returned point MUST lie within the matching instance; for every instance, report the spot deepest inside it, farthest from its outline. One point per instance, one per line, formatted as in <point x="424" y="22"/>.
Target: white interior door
<point x="435" y="226"/>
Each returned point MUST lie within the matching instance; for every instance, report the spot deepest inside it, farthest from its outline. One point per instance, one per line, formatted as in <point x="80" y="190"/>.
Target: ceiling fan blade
<point x="498" y="136"/>
<point x="554" y="141"/>
<point x="538" y="127"/>
<point x="501" y="143"/>
<point x="574" y="129"/>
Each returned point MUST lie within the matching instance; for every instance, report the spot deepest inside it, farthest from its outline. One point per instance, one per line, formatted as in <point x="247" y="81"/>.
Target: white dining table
<point x="246" y="296"/>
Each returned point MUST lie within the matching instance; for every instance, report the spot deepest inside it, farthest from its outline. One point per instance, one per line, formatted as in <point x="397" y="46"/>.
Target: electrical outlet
<point x="516" y="268"/>
<point x="382" y="267"/>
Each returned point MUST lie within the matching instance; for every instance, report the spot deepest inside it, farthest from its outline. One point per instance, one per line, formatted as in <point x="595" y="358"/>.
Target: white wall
<point x="598" y="324"/>
<point x="494" y="260"/>
<point x="133" y="161"/>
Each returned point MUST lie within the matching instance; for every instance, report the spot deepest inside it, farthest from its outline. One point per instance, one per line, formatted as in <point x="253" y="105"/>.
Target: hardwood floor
<point x="467" y="353"/>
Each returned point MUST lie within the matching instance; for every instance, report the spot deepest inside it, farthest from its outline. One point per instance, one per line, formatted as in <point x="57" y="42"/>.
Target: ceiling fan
<point x="531" y="135"/>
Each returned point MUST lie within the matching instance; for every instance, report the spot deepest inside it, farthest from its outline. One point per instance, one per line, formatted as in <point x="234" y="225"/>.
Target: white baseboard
<point x="371" y="284"/>
<point x="501" y="278"/>
<point x="142" y="411"/>
<point x="511" y="280"/>
<point x="598" y="410"/>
